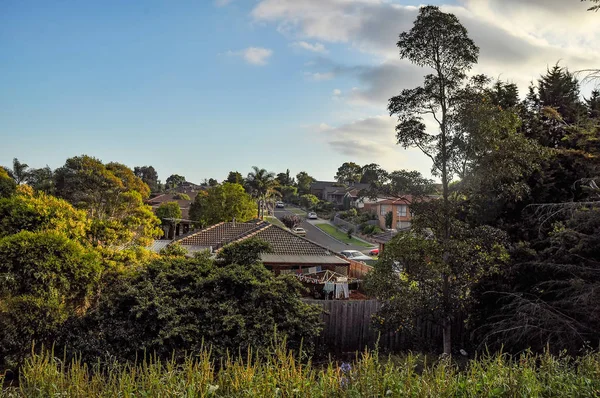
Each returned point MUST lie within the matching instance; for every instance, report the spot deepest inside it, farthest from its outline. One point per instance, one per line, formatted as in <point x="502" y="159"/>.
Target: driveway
<point x="318" y="236"/>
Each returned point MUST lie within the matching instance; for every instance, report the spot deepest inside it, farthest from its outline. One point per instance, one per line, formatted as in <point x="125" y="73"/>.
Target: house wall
<point x="404" y="217"/>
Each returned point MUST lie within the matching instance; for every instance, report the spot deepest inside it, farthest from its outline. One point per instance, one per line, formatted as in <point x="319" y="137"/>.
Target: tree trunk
<point x="447" y="326"/>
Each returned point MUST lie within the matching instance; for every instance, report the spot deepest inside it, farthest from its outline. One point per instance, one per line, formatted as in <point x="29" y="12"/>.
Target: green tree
<point x="348" y="173"/>
<point x="169" y="214"/>
<point x="177" y="305"/>
<point x="110" y="197"/>
<point x="38" y="212"/>
<point x="308" y="201"/>
<point x="46" y="278"/>
<point x="18" y="171"/>
<point x="149" y="176"/>
<point x="41" y="179"/>
<point x="7" y="184"/>
<point x="304" y="181"/>
<point x="285" y="179"/>
<point x="212" y="182"/>
<point x="262" y="186"/>
<point x="223" y="203"/>
<point x="438" y="41"/>
<point x="389" y="219"/>
<point x="373" y="174"/>
<point x="235" y="177"/>
<point x="174" y="180"/>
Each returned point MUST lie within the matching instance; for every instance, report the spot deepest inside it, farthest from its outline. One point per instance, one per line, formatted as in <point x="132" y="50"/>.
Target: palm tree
<point x="262" y="185"/>
<point x="19" y="171"/>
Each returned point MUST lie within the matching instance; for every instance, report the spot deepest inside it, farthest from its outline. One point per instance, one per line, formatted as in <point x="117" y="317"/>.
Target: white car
<point x="280" y="205"/>
<point x="355" y="255"/>
<point x="299" y="231"/>
<point x="312" y="216"/>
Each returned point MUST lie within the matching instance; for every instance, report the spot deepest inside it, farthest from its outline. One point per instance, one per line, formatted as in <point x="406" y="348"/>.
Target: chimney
<point x="234" y="222"/>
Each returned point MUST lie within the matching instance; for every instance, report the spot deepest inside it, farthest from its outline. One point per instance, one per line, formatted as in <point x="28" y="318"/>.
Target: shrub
<point x="291" y="220"/>
<point x="350" y="232"/>
<point x="181" y="196"/>
<point x="179" y="305"/>
<point x="45" y="278"/>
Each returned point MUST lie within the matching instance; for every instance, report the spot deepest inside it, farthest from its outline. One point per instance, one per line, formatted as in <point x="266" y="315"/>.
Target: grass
<point x="275" y="221"/>
<point x="281" y="374"/>
<point x="341" y="235"/>
<point x="296" y="210"/>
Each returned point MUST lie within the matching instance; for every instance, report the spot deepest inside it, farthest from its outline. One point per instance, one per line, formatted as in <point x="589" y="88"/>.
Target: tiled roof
<point x="286" y="242"/>
<point x="283" y="242"/>
<point x="220" y="234"/>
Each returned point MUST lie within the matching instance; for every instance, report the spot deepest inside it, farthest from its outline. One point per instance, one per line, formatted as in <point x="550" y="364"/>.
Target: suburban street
<point x="316" y="235"/>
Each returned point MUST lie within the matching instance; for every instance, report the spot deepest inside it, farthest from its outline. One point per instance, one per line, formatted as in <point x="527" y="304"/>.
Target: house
<point x="400" y="208"/>
<point x="185" y="224"/>
<point x="336" y="193"/>
<point x="291" y="253"/>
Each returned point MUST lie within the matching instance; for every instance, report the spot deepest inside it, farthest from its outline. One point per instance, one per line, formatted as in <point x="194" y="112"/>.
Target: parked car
<point x="374" y="252"/>
<point x="299" y="231"/>
<point x="312" y="216"/>
<point x="355" y="255"/>
<point x="280" y="205"/>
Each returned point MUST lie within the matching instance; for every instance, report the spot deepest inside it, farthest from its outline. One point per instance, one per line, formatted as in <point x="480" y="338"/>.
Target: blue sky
<point x="200" y="88"/>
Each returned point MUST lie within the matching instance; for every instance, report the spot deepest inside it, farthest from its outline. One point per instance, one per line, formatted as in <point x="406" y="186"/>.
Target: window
<point x="383" y="210"/>
<point x="401" y="210"/>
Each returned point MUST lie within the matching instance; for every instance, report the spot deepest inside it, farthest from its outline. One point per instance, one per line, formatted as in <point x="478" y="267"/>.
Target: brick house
<point x="400" y="208"/>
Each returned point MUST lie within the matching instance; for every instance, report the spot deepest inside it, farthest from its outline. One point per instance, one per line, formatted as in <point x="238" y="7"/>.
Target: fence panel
<point x="348" y="327"/>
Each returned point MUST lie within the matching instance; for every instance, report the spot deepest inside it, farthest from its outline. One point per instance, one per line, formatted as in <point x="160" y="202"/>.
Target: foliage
<point x="174" y="180"/>
<point x="169" y="210"/>
<point x="223" y="203"/>
<point x="348" y="173"/>
<point x="308" y="201"/>
<point x="178" y="305"/>
<point x="7" y="184"/>
<point x="18" y="172"/>
<point x="278" y="372"/>
<point x="291" y="220"/>
<point x="36" y="212"/>
<point x="235" y="177"/>
<point x="149" y="176"/>
<point x="373" y="174"/>
<point x="181" y="196"/>
<point x="45" y="277"/>
<point x="41" y="179"/>
<point x="111" y="198"/>
<point x="370" y="229"/>
<point x="349" y="232"/>
<point x="262" y="185"/>
<point x="389" y="219"/>
<point x="246" y="252"/>
<point x="304" y="181"/>
<point x="417" y="278"/>
<point x="173" y="250"/>
<point x="285" y="179"/>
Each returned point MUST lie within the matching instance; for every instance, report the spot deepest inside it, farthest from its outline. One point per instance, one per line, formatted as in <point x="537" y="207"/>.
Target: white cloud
<point x="222" y="3"/>
<point x="337" y="92"/>
<point x="319" y="76"/>
<point x="316" y="47"/>
<point x="253" y="55"/>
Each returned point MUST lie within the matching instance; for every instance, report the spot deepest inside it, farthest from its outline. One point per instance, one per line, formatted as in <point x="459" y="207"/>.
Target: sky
<point x="204" y="87"/>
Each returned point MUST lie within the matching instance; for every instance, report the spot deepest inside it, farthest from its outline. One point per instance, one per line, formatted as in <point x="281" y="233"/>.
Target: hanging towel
<point x="346" y="290"/>
<point x="328" y="287"/>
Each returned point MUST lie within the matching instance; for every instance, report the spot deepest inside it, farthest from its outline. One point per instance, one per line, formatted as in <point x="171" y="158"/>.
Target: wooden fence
<point x="358" y="270"/>
<point x="348" y="327"/>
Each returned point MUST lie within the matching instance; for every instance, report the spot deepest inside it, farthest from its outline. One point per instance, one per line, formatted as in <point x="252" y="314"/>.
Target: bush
<point x="45" y="278"/>
<point x="178" y="305"/>
<point x="350" y="232"/>
<point x="291" y="220"/>
<point x="181" y="196"/>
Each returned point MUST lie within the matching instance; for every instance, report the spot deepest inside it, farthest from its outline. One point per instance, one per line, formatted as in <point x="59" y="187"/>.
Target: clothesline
<point x="324" y="277"/>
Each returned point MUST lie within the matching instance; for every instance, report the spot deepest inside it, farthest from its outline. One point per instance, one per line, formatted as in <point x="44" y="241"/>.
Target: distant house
<point x="291" y="253"/>
<point x="339" y="194"/>
<point x="400" y="208"/>
<point x="184" y="225"/>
